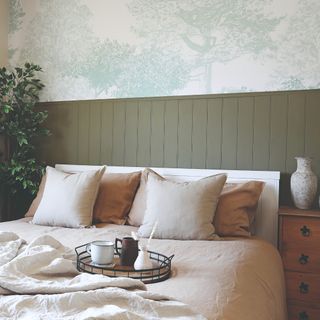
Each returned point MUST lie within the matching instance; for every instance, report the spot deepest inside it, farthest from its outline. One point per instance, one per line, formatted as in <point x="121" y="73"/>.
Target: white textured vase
<point x="143" y="260"/>
<point x="303" y="184"/>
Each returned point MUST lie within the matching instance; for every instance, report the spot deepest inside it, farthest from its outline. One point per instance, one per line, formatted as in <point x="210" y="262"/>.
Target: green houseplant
<point x="20" y="125"/>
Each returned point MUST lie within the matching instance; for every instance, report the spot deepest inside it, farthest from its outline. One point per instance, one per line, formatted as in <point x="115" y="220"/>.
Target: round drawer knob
<point x="303" y="259"/>
<point x="304" y="288"/>
<point x="305" y="231"/>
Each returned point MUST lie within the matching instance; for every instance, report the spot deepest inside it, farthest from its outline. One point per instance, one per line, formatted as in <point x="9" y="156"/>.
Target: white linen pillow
<point x="183" y="211"/>
<point x="138" y="208"/>
<point x="68" y="199"/>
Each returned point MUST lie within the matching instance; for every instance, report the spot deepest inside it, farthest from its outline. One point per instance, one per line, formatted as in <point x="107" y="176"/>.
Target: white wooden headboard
<point x="266" y="223"/>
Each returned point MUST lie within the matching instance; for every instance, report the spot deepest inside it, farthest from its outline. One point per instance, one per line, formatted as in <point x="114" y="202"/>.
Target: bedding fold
<point x="40" y="279"/>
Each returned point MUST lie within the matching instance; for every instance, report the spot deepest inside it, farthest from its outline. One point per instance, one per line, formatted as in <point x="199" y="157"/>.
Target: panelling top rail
<point x="266" y="222"/>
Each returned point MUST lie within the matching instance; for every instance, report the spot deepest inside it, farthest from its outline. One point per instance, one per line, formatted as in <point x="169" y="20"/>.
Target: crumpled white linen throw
<point x="40" y="280"/>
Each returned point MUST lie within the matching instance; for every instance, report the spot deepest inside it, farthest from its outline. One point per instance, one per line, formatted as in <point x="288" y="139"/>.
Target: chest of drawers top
<point x="300" y="229"/>
<point x="295" y="212"/>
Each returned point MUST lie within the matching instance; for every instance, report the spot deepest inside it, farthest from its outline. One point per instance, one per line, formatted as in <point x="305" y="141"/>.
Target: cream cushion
<point x="182" y="211"/>
<point x="139" y="204"/>
<point x="68" y="199"/>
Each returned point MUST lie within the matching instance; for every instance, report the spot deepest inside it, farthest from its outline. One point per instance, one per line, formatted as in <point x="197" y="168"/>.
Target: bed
<point x="231" y="278"/>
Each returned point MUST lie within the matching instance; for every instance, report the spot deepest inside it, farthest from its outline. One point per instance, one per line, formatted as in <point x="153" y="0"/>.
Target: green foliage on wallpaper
<point x="71" y="50"/>
<point x="15" y="22"/>
<point x="60" y="37"/>
<point x="123" y="72"/>
<point x="302" y="49"/>
<point x="214" y="31"/>
<point x="173" y="47"/>
<point x="16" y="15"/>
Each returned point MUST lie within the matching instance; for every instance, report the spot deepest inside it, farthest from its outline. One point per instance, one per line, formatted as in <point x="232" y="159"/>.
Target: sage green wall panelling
<point x="63" y="144"/>
<point x="94" y="132"/>
<point x="185" y="128"/>
<point x="144" y="133"/>
<point x="131" y="138"/>
<point x="229" y="133"/>
<point x="119" y="132"/>
<point x="157" y="133"/>
<point x="106" y="131"/>
<point x="72" y="132"/>
<point x="312" y="129"/>
<point x="278" y="131"/>
<point x="247" y="131"/>
<point x="171" y="118"/>
<point x="296" y="129"/>
<point x="261" y="132"/>
<point x="83" y="132"/>
<point x="214" y="130"/>
<point x="199" y="133"/>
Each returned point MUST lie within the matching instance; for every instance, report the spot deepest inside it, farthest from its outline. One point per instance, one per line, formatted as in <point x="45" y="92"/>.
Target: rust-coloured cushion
<point x="115" y="197"/>
<point x="236" y="208"/>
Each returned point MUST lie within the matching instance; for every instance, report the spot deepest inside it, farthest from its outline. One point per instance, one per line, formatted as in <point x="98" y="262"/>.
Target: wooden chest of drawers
<point x="299" y="244"/>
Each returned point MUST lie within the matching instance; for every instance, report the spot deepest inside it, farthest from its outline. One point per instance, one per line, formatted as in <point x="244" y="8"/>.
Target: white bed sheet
<point x="228" y="279"/>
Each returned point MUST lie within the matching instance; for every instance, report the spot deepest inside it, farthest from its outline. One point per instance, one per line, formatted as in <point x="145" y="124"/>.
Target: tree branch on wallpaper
<point x="214" y="31"/>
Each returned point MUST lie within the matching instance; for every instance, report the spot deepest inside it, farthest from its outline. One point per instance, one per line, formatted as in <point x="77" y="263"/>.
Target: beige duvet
<point x="238" y="279"/>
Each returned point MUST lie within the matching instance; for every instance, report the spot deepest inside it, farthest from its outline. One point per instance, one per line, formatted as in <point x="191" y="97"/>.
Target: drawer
<point x="301" y="259"/>
<point x="300" y="232"/>
<point x="303" y="287"/>
<point x="303" y="313"/>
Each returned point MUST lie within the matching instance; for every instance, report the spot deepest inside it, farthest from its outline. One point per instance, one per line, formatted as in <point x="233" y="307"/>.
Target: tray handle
<point x="78" y="251"/>
<point x="167" y="261"/>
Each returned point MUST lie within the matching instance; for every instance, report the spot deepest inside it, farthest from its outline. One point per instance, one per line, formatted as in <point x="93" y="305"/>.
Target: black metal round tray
<point x="161" y="266"/>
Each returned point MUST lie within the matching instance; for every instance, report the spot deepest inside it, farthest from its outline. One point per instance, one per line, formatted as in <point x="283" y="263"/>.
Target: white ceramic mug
<point x="102" y="252"/>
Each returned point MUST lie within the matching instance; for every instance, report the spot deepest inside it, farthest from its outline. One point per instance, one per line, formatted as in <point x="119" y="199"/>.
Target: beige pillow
<point x="138" y="208"/>
<point x="68" y="199"/>
<point x="182" y="211"/>
<point x="36" y="201"/>
<point x="115" y="197"/>
<point x="236" y="208"/>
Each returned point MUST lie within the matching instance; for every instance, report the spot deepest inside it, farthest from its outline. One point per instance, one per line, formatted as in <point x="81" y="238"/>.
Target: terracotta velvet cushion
<point x="236" y="208"/>
<point x="115" y="197"/>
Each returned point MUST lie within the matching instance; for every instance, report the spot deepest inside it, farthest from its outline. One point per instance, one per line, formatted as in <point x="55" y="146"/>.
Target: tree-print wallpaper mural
<point x="93" y="49"/>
